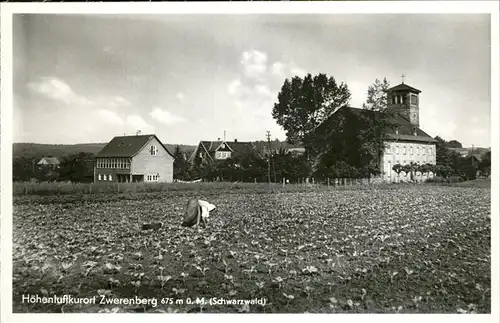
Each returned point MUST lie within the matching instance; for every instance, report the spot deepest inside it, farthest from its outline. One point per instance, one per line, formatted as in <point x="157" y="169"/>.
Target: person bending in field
<point x="197" y="212"/>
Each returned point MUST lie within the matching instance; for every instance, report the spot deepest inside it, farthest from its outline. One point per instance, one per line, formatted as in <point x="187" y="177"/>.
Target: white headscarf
<point x="206" y="208"/>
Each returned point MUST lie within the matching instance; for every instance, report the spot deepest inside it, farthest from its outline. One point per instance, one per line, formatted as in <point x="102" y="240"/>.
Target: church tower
<point x="403" y="99"/>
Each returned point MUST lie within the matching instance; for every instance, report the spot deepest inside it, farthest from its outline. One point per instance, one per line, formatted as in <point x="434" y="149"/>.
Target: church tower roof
<point x="403" y="88"/>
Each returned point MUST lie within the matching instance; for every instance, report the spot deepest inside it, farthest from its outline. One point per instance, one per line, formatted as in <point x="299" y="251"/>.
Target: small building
<point x="210" y="151"/>
<point x="140" y="158"/>
<point x="49" y="162"/>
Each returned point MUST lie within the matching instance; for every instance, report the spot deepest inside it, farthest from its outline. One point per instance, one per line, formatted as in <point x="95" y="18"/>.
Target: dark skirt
<point x="193" y="210"/>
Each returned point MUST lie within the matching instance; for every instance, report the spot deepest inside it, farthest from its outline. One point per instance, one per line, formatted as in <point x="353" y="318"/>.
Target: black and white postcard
<point x="250" y="158"/>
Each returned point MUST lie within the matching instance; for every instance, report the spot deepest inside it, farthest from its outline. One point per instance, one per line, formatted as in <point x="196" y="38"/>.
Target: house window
<point x="423" y="151"/>
<point x="105" y="178"/>
<point x="110" y="178"/>
<point x="397" y="150"/>
<point x="152" y="178"/>
<point x="153" y="151"/>
<point x="389" y="169"/>
<point x="393" y="99"/>
<point x="418" y="150"/>
<point x="411" y="150"/>
<point x="201" y="155"/>
<point x="388" y="149"/>
<point x="404" y="150"/>
<point x="99" y="177"/>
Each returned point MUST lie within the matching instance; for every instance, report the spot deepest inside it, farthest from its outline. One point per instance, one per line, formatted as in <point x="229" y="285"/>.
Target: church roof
<point x="403" y="87"/>
<point x="403" y="129"/>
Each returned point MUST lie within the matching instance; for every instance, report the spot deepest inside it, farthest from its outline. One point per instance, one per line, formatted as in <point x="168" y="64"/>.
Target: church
<point x="406" y="142"/>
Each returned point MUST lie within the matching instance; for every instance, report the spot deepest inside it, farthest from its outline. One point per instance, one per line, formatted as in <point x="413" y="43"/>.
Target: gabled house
<point x="141" y="158"/>
<point x="49" y="162"/>
<point x="210" y="151"/>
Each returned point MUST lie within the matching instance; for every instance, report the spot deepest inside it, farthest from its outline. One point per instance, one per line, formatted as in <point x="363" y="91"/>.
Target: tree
<point x="77" y="167"/>
<point x="398" y="168"/>
<point x="454" y="144"/>
<point x="443" y="171"/>
<point x="303" y="104"/>
<point x="23" y="169"/>
<point x="408" y="169"/>
<point x="180" y="164"/>
<point x="485" y="164"/>
<point x="376" y="95"/>
<point x="445" y="156"/>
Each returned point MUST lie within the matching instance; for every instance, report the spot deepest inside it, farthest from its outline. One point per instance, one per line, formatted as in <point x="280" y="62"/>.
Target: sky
<point x="186" y="78"/>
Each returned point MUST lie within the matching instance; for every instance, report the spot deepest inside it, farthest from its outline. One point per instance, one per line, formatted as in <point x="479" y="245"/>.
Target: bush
<point x="439" y="179"/>
<point x="436" y="179"/>
<point x="455" y="179"/>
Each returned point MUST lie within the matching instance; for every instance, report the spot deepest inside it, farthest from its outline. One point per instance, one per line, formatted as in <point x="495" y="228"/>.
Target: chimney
<point x="235" y="140"/>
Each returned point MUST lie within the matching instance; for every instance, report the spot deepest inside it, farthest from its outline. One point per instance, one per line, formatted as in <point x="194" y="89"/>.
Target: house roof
<point x="237" y="147"/>
<point x="468" y="150"/>
<point x="403" y="131"/>
<point x="403" y="87"/>
<point x="50" y="160"/>
<point x="127" y="146"/>
<point x="477" y="152"/>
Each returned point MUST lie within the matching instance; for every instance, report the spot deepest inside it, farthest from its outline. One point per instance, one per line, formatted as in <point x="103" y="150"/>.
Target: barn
<point x="140" y="158"/>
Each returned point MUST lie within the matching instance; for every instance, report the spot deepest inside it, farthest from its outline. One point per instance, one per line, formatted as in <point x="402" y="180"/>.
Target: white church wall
<point x="404" y="153"/>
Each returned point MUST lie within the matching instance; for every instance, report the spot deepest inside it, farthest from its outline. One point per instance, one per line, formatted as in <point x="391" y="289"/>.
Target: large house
<point x="210" y="151"/>
<point x="141" y="158"/>
<point x="406" y="142"/>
